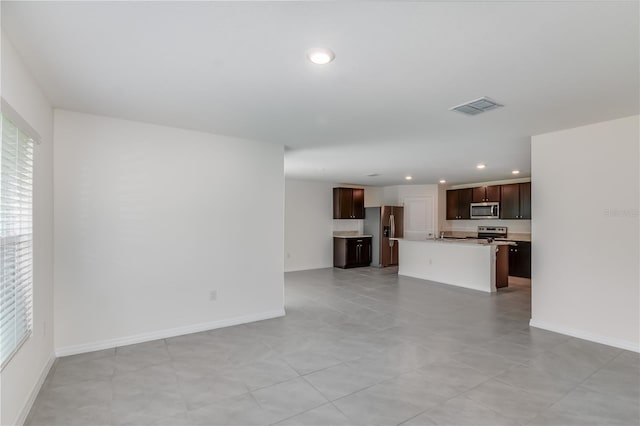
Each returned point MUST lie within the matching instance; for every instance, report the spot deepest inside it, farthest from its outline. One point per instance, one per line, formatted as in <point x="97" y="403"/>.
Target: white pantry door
<point x="418" y="217"/>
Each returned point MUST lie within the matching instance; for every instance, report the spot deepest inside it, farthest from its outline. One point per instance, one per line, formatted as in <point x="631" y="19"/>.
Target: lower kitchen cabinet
<point x="351" y="252"/>
<point x="520" y="259"/>
<point x="502" y="266"/>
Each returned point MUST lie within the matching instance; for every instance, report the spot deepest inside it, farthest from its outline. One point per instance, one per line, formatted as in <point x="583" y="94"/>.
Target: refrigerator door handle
<point x="392" y="226"/>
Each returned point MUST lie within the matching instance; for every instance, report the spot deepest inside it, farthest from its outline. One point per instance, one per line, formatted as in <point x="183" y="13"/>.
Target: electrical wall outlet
<point x="213" y="295"/>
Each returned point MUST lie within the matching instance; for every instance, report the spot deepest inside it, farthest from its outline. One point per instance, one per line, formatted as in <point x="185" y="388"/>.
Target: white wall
<point x="150" y="219"/>
<point x="585" y="232"/>
<point x="20" y="379"/>
<point x="373" y="196"/>
<point x="308" y="225"/>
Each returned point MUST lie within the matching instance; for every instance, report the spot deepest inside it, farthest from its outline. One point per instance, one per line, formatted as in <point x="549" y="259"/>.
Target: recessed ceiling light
<point x="481" y="166"/>
<point x="408" y="177"/>
<point x="443" y="181"/>
<point x="515" y="172"/>
<point x="320" y="56"/>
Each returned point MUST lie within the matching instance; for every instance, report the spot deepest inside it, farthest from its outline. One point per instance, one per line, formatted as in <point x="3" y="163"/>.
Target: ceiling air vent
<point x="476" y="106"/>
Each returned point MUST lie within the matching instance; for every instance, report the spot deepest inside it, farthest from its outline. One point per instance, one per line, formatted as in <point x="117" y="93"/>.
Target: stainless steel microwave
<point x="485" y="210"/>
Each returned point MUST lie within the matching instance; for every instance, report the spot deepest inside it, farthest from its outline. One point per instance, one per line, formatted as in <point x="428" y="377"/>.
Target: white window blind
<point x="16" y="238"/>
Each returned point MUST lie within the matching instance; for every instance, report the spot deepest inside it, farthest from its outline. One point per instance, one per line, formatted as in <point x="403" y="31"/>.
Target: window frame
<point x="7" y="112"/>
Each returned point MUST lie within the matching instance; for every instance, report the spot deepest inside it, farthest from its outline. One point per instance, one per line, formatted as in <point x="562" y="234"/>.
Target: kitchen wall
<point x="308" y="225"/>
<point x="514" y="226"/>
<point x="22" y="376"/>
<point x="373" y="197"/>
<point x="309" y="209"/>
<point x="585" y="231"/>
<point x="348" y="225"/>
<point x="162" y="231"/>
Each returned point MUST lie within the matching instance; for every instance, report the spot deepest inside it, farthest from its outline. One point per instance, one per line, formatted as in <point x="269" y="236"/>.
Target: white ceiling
<point x="239" y="68"/>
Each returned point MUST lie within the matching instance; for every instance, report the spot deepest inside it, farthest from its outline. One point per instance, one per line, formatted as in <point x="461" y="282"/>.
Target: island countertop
<point x="465" y="241"/>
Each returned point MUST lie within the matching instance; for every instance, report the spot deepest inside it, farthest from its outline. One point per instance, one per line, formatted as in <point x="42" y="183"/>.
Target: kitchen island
<point x="474" y="264"/>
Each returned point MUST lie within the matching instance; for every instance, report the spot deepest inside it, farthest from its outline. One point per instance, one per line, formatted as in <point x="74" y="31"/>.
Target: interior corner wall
<point x="162" y="231"/>
<point x="21" y="378"/>
<point x="308" y="225"/>
<point x="585" y="232"/>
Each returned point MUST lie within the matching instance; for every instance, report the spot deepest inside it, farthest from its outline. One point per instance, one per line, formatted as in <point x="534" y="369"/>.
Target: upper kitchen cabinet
<point x="525" y="200"/>
<point x="348" y="203"/>
<point x="459" y="203"/>
<point x="516" y="201"/>
<point x="486" y="194"/>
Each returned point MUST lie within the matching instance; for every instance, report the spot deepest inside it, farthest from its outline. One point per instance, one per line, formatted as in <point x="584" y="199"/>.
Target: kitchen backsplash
<point x="342" y="225"/>
<point x="514" y="226"/>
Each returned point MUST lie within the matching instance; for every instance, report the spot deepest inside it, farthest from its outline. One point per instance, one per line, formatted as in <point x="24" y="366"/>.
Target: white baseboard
<point x="34" y="392"/>
<point x="163" y="334"/>
<point x="306" y="268"/>
<point x="581" y="334"/>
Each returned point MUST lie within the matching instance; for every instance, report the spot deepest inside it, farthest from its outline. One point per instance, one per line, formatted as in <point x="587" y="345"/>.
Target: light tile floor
<point x="357" y="347"/>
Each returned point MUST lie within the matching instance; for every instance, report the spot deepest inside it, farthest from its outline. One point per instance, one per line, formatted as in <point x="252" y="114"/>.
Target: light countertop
<point x="511" y="236"/>
<point x="471" y="242"/>
<point x="352" y="236"/>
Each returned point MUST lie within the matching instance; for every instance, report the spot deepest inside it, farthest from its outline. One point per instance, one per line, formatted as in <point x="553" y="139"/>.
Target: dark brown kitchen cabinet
<point x="483" y="194"/>
<point x="351" y="252"/>
<point x="515" y="201"/>
<point x="348" y="203"/>
<point x="459" y="203"/>
<point x="525" y="200"/>
<point x="502" y="266"/>
<point x="520" y="259"/>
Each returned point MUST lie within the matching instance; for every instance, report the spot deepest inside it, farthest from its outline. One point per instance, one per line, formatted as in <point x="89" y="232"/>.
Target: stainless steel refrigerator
<point x="383" y="223"/>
